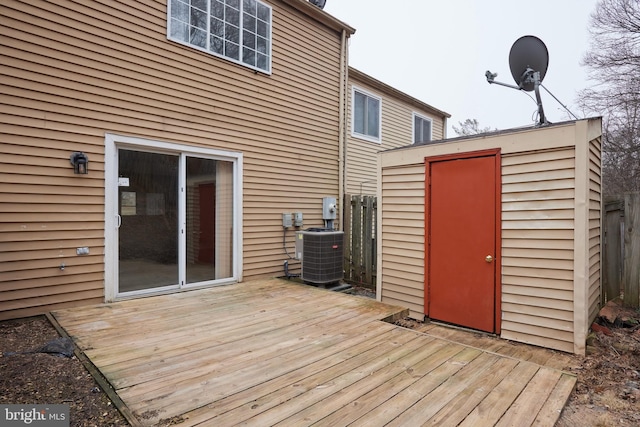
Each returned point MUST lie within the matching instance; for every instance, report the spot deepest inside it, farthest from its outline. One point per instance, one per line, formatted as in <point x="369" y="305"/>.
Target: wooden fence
<point x="360" y="226"/>
<point x="621" y="260"/>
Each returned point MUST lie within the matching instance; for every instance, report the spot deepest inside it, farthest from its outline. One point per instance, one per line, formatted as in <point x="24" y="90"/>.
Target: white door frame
<point x="112" y="143"/>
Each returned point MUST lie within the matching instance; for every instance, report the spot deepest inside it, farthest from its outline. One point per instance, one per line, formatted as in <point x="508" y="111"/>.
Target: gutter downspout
<point x="444" y="128"/>
<point x="342" y="128"/>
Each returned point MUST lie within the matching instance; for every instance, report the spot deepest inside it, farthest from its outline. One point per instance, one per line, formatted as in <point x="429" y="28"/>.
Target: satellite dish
<point x="319" y="3"/>
<point x="528" y="60"/>
<point x="528" y="55"/>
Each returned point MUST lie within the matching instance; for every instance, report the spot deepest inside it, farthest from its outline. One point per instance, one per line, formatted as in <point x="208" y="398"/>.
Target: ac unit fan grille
<point x="322" y="257"/>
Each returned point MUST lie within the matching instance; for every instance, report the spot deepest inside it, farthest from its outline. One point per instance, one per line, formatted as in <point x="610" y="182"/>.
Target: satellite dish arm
<point x="528" y="76"/>
<point x="491" y="80"/>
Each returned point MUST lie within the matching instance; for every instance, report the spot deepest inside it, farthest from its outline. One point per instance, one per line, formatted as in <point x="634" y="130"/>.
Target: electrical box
<point x="297" y="219"/>
<point x="286" y="220"/>
<point x="329" y="208"/>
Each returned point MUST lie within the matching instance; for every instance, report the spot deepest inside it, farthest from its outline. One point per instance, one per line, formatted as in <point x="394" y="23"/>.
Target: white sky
<point x="438" y="52"/>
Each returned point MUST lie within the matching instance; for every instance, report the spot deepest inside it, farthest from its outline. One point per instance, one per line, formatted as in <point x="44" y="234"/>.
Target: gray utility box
<point x="321" y="252"/>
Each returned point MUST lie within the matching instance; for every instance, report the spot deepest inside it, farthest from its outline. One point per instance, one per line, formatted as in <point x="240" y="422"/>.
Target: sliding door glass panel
<point x="209" y="213"/>
<point x="148" y="209"/>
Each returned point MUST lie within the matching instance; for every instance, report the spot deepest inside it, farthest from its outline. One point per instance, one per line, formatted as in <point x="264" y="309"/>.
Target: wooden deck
<point x="271" y="352"/>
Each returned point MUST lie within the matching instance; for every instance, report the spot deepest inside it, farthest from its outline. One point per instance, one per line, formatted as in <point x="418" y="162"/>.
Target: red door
<point x="462" y="252"/>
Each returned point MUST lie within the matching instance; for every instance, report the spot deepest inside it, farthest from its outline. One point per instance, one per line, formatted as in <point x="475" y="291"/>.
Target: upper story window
<point x="421" y="129"/>
<point x="238" y="30"/>
<point x="366" y="109"/>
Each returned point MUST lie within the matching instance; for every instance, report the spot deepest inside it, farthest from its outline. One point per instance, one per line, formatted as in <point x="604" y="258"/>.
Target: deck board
<point x="273" y="352"/>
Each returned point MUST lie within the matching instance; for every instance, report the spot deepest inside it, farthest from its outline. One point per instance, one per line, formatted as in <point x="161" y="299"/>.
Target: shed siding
<point x="397" y="131"/>
<point x="537" y="247"/>
<point x="595" y="221"/>
<point x="72" y="72"/>
<point x="402" y="213"/>
<point x="550" y="251"/>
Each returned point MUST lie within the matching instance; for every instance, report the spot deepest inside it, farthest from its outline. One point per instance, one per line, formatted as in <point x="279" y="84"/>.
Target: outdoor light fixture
<point x="80" y="163"/>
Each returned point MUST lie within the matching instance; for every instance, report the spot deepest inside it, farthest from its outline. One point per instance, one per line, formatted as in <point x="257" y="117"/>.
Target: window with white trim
<point x="421" y="129"/>
<point x="238" y="30"/>
<point x="365" y="115"/>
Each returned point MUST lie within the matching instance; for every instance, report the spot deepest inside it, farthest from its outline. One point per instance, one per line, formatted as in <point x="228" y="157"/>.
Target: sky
<point x="439" y="51"/>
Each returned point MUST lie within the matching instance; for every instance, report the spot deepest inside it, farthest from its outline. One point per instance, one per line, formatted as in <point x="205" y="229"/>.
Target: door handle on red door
<point x="488" y="258"/>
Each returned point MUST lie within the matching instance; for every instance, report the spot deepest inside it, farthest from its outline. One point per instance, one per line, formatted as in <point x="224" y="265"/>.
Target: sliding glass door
<point x="148" y="209"/>
<point x="175" y="220"/>
<point x="209" y="213"/>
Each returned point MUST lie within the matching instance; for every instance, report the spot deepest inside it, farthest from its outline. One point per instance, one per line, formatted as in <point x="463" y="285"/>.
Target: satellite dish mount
<point x="528" y="60"/>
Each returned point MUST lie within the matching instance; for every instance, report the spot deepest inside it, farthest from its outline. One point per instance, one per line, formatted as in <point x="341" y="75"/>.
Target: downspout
<point x="444" y="127"/>
<point x="342" y="128"/>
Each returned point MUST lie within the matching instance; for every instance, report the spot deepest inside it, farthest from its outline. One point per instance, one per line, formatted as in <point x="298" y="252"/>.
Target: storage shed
<point x="500" y="232"/>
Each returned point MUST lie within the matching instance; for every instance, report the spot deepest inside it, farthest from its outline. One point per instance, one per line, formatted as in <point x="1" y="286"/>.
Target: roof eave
<point x="383" y="87"/>
<point x="320" y="15"/>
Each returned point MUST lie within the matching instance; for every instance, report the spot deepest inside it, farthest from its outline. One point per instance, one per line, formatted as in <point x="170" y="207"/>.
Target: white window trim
<point x="217" y="55"/>
<point x="112" y="143"/>
<point x="413" y="126"/>
<point x="355" y="134"/>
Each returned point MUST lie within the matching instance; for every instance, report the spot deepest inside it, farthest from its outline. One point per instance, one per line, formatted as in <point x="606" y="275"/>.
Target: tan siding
<point x="397" y="131"/>
<point x="595" y="206"/>
<point x="528" y="290"/>
<point x="526" y="333"/>
<point x="403" y="245"/>
<point x="560" y="285"/>
<point x="537" y="246"/>
<point x="72" y="72"/>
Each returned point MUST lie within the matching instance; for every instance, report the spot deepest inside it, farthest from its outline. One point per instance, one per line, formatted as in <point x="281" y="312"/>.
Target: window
<point x="238" y="30"/>
<point x="421" y="129"/>
<point x="366" y="116"/>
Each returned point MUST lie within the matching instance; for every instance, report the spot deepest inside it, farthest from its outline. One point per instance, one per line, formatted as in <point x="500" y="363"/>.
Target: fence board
<point x="622" y="250"/>
<point x="367" y="237"/>
<point x="613" y="248"/>
<point x="360" y="239"/>
<point x="631" y="275"/>
<point x="356" y="236"/>
<point x="348" y="276"/>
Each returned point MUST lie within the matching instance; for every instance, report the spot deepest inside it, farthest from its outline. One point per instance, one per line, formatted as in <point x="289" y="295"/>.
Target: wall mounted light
<point x="80" y="163"/>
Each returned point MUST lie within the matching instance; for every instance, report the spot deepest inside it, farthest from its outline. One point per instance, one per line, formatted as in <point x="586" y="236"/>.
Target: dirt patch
<point x="28" y="377"/>
<point x="607" y="393"/>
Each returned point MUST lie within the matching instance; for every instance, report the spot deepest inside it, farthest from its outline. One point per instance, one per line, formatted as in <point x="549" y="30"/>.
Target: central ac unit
<point x="320" y="251"/>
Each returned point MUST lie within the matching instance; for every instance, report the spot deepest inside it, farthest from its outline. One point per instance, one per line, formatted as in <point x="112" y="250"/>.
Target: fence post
<point x="347" y="266"/>
<point x="631" y="275"/>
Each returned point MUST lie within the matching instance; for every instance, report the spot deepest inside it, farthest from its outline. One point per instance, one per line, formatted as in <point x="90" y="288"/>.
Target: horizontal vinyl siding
<point x="402" y="216"/>
<point x="397" y="131"/>
<point x="73" y="71"/>
<point x="595" y="221"/>
<point x="537" y="248"/>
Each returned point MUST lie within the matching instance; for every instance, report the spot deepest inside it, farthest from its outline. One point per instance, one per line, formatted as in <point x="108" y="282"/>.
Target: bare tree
<point x="614" y="68"/>
<point x="470" y="127"/>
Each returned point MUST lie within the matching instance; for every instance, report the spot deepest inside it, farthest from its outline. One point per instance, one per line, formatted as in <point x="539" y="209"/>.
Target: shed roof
<point x="490" y="134"/>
